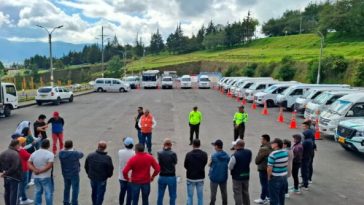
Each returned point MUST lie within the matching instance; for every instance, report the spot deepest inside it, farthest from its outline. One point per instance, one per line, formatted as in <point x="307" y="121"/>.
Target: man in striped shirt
<point x="277" y="172"/>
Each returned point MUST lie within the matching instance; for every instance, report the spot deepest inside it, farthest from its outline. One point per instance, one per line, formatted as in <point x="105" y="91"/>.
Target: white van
<point x="347" y="107"/>
<point x="233" y="89"/>
<point x="350" y="134"/>
<point x="322" y="102"/>
<point x="204" y="82"/>
<point x="256" y="87"/>
<point x="240" y="91"/>
<point x="270" y="94"/>
<point x="186" y="81"/>
<point x="8" y="98"/>
<point x="288" y="98"/>
<point x="167" y="82"/>
<point x="111" y="85"/>
<point x="133" y="81"/>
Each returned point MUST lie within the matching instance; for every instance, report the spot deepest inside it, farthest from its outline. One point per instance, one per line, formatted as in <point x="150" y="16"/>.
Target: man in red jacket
<point x="140" y="165"/>
<point x="24" y="157"/>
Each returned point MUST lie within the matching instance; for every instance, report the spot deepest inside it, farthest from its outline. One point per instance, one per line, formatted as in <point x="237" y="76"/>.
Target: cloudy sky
<point x="82" y="19"/>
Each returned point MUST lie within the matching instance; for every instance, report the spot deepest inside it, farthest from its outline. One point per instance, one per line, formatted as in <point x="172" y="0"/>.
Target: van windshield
<point x="340" y="107"/>
<point x="204" y="79"/>
<point x="167" y="79"/>
<point x="149" y="78"/>
<point x="270" y="89"/>
<point x="307" y="94"/>
<point x="186" y="79"/>
<point x="287" y="91"/>
<point x="322" y="98"/>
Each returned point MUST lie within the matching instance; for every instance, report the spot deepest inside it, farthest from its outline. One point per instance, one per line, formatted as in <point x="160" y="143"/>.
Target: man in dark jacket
<point x="308" y="131"/>
<point x="239" y="165"/>
<point x="297" y="161"/>
<point x="218" y="173"/>
<point x="167" y="177"/>
<point x="70" y="164"/>
<point x="308" y="149"/>
<point x="11" y="171"/>
<point x="99" y="167"/>
<point x="137" y="118"/>
<point x="194" y="164"/>
<point x="261" y="161"/>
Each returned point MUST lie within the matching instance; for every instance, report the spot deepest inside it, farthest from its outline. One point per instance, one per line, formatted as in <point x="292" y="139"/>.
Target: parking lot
<point x="338" y="174"/>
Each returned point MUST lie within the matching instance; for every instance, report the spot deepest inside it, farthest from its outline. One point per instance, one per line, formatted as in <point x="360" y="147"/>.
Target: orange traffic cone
<point x="265" y="109"/>
<point x="243" y="101"/>
<point x="317" y="128"/>
<point x="254" y="106"/>
<point x="280" y="116"/>
<point x="293" y="124"/>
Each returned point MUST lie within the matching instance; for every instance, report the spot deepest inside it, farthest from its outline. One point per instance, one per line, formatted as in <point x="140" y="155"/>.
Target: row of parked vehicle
<point x="338" y="108"/>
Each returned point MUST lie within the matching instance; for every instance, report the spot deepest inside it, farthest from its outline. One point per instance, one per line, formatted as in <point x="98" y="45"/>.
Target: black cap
<point x="241" y="107"/>
<point x="218" y="143"/>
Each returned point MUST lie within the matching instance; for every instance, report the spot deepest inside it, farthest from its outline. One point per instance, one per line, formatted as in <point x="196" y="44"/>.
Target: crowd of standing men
<point x="28" y="157"/>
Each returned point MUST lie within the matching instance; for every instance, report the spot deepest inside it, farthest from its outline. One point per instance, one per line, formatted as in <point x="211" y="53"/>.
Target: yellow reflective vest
<point x="240" y="118"/>
<point x="195" y="117"/>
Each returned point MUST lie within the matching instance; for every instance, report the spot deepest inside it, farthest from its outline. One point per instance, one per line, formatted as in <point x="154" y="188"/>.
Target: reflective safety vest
<point x="195" y="117"/>
<point x="146" y="123"/>
<point x="240" y="118"/>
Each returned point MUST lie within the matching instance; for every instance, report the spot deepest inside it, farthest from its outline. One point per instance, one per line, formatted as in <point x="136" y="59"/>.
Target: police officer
<point x="240" y="118"/>
<point x="194" y="119"/>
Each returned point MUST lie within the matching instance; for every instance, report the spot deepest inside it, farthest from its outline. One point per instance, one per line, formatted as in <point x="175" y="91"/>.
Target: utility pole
<point x="301" y="24"/>
<point x="50" y="49"/>
<point x="321" y="52"/>
<point x="102" y="50"/>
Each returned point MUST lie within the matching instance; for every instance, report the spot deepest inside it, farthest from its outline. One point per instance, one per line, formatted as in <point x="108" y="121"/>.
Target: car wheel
<point x="71" y="99"/>
<point x="39" y="103"/>
<point x="100" y="90"/>
<point x="346" y="148"/>
<point x="7" y="111"/>
<point x="122" y="90"/>
<point x="58" y="101"/>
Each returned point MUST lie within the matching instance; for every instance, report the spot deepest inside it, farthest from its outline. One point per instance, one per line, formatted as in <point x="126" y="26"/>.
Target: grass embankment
<point x="300" y="47"/>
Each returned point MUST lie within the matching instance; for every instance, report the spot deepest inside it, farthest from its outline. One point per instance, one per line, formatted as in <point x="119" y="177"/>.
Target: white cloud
<point x="4" y="19"/>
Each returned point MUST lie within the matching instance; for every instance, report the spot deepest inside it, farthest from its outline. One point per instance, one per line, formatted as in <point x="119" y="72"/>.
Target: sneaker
<point x="310" y="181"/>
<point x="260" y="201"/>
<point x="287" y="196"/>
<point x="28" y="201"/>
<point x="31" y="183"/>
<point x="296" y="191"/>
<point x="305" y="188"/>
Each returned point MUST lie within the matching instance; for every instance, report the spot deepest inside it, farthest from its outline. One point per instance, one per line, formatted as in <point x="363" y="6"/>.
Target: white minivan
<point x="256" y="87"/>
<point x="269" y="95"/>
<point x="240" y="91"/>
<point x="347" y="107"/>
<point x="186" y="81"/>
<point x="111" y="85"/>
<point x="167" y="82"/>
<point x="204" y="82"/>
<point x="350" y="134"/>
<point x="288" y="98"/>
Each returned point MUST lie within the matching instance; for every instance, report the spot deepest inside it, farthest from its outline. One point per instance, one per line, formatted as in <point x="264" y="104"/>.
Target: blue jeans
<point x="277" y="186"/>
<point x="73" y="182"/>
<point x="46" y="185"/>
<point x="163" y="182"/>
<point x="146" y="138"/>
<point x="98" y="192"/>
<point x="125" y="189"/>
<point x="136" y="189"/>
<point x="23" y="186"/>
<point x="263" y="178"/>
<point x="139" y="136"/>
<point x="191" y="188"/>
<point x="11" y="187"/>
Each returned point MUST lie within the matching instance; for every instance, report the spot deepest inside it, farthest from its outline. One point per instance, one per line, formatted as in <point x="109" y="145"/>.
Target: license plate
<point x="341" y="140"/>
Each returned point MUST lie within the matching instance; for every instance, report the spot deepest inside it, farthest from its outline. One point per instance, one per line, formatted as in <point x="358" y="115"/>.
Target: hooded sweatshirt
<point x="70" y="162"/>
<point x="219" y="167"/>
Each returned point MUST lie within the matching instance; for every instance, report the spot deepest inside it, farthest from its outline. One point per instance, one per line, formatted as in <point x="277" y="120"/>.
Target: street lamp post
<point x="50" y="49"/>
<point x="321" y="52"/>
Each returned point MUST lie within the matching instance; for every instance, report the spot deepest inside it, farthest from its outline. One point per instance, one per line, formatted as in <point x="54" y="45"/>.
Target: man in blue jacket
<point x="218" y="173"/>
<point x="70" y="164"/>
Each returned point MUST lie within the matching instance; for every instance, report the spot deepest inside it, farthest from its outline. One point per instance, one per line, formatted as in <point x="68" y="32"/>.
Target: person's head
<point x="286" y="143"/>
<point x="22" y="141"/>
<point x="167" y="143"/>
<point x="101" y="146"/>
<point x="218" y="144"/>
<point x="196" y="143"/>
<point x="306" y="124"/>
<point x="297" y="138"/>
<point x="241" y="108"/>
<point x="265" y="139"/>
<point x="15" y="144"/>
<point x="240" y="144"/>
<point x="139" y="148"/>
<point x="56" y="115"/>
<point x="146" y="112"/>
<point x="128" y="142"/>
<point x="26" y="132"/>
<point x="45" y="144"/>
<point x="277" y="144"/>
<point x="41" y="118"/>
<point x="195" y="108"/>
<point x="68" y="144"/>
<point x="140" y="109"/>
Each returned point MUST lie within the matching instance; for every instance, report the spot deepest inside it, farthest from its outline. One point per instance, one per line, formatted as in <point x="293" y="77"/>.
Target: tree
<point x="200" y="36"/>
<point x="2" y="69"/>
<point x="214" y="40"/>
<point x="139" y="47"/>
<point x="114" y="68"/>
<point x="156" y="43"/>
<point x="211" y="28"/>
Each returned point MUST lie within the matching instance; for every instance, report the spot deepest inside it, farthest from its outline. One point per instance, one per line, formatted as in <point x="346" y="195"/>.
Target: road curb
<point x="34" y="103"/>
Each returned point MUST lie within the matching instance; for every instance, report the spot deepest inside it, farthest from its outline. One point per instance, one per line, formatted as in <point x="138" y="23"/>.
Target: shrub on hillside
<point x="249" y="70"/>
<point x="359" y="75"/>
<point x="333" y="69"/>
<point x="287" y="70"/>
<point x="232" y="70"/>
<point x="264" y="70"/>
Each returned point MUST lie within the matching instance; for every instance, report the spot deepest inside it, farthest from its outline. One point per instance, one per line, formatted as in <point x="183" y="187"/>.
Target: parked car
<point x="256" y="87"/>
<point x="56" y="95"/>
<point x="269" y="95"/>
<point x="186" y="81"/>
<point x="111" y="85"/>
<point x="350" y="135"/>
<point x="167" y="82"/>
<point x="204" y="82"/>
<point x="133" y="81"/>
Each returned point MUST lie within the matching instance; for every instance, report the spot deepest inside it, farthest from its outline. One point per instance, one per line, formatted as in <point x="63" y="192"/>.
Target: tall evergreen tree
<point x="156" y="43"/>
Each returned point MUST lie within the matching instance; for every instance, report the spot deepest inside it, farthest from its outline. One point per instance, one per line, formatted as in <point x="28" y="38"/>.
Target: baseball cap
<point x="128" y="141"/>
<point x="15" y="136"/>
<point x="22" y="140"/>
<point x="56" y="114"/>
<point x="218" y="143"/>
<point x="241" y="107"/>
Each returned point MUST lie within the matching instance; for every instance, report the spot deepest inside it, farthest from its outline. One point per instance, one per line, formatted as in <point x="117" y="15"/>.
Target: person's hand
<point x="2" y="174"/>
<point x="37" y="172"/>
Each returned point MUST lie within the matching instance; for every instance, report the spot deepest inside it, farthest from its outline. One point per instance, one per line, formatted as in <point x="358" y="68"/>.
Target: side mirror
<point x="350" y="113"/>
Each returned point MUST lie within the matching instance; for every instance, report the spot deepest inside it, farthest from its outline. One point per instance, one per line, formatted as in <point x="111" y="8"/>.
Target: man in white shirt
<point x="41" y="163"/>
<point x="124" y="156"/>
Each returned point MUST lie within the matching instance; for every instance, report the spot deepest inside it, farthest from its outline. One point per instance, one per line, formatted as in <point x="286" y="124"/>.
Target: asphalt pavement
<point x="338" y="174"/>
